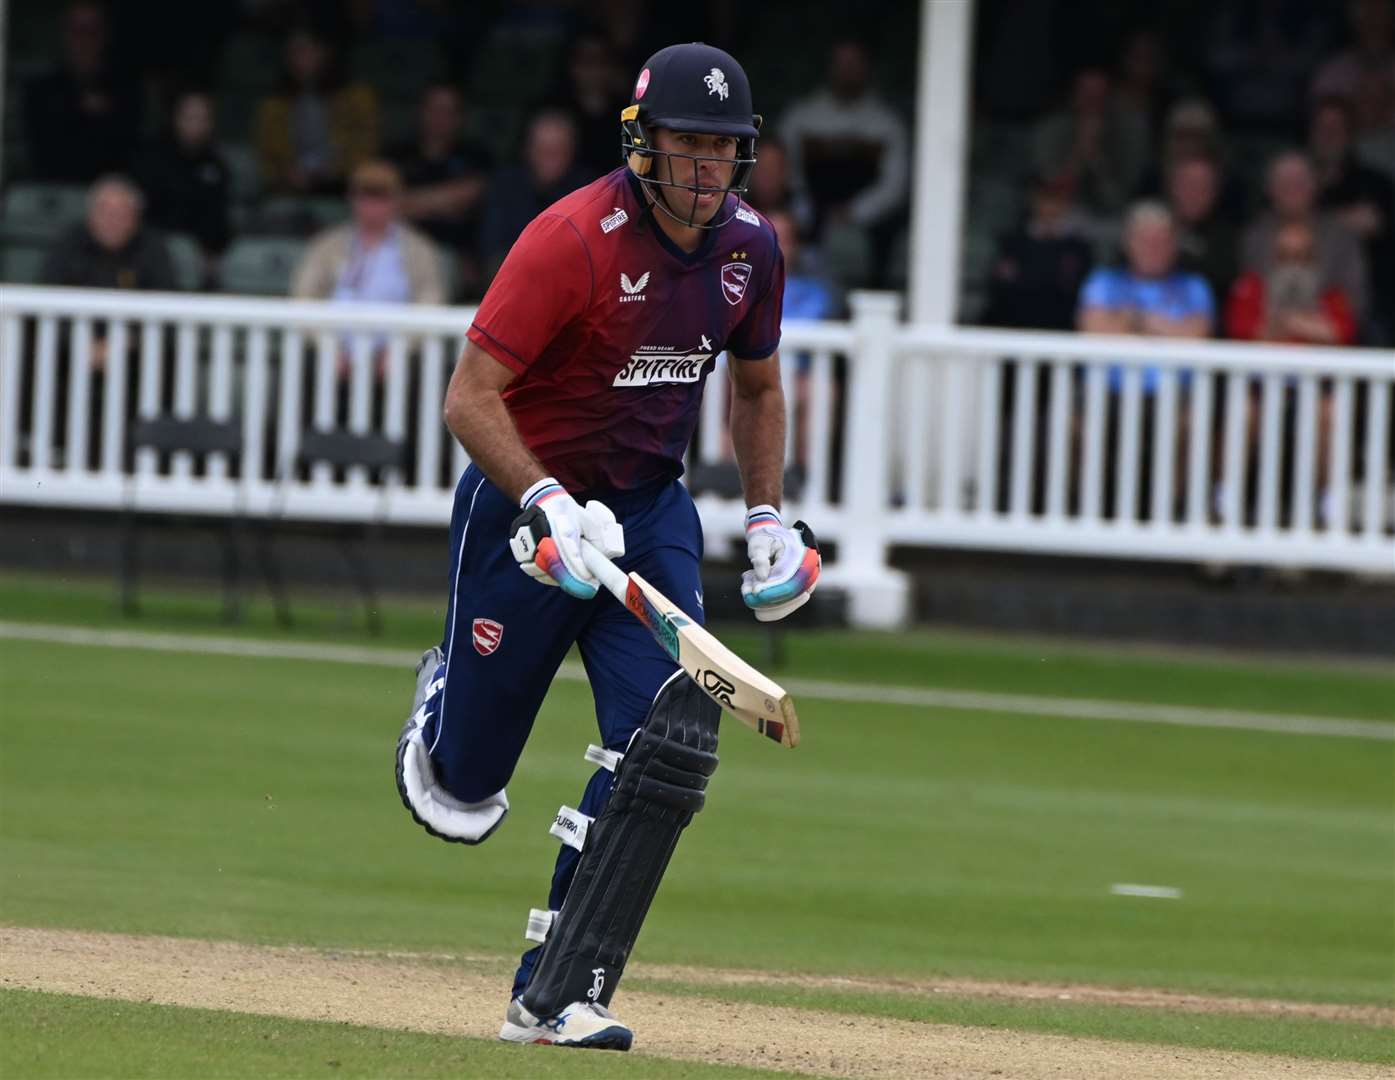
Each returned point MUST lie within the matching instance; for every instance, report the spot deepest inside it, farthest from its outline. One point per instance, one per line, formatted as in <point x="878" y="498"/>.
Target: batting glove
<point x="546" y="537"/>
<point x="785" y="564"/>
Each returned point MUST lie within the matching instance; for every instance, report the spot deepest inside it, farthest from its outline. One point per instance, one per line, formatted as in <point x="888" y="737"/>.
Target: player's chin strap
<point x="660" y="783"/>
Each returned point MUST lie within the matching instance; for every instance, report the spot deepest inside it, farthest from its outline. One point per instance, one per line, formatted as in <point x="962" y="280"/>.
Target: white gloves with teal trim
<point x="546" y="537"/>
<point x="785" y="564"/>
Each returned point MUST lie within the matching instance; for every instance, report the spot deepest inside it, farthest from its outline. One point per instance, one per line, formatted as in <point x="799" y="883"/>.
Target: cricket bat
<point x="758" y="702"/>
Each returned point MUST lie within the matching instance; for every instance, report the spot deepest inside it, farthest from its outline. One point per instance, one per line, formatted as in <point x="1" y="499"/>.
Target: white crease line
<point x="915" y="697"/>
<point x="1154" y="892"/>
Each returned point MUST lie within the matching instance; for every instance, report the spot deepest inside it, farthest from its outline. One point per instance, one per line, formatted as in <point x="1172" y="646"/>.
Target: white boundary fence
<point x="906" y="435"/>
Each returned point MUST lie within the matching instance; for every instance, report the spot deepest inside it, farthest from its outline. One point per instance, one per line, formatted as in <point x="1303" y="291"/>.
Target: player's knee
<point x="674" y="754"/>
<point x="435" y="809"/>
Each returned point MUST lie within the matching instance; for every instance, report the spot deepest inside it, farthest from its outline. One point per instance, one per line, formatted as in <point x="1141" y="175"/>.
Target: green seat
<point x="187" y="257"/>
<point x="22" y="262"/>
<point x="261" y="265"/>
<point x="36" y="211"/>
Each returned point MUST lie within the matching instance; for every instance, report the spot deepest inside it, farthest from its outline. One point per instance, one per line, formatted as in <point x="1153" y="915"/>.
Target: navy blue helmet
<point x="698" y="88"/>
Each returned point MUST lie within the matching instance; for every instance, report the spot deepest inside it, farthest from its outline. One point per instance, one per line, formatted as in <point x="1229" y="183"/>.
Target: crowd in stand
<point x="429" y="219"/>
<point x="1141" y="215"/>
<point x="1175" y="235"/>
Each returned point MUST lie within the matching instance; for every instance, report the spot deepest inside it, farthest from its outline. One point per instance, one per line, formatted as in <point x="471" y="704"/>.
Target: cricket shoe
<point x="583" y="1023"/>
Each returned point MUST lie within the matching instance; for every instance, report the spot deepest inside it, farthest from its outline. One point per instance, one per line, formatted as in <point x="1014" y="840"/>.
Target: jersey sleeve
<point x="757" y="335"/>
<point x="545" y="282"/>
<point x="1101" y="290"/>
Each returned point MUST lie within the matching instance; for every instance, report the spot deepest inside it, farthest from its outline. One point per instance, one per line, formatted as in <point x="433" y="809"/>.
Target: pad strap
<point x="539" y="923"/>
<point x="571" y="827"/>
<point x="606" y="759"/>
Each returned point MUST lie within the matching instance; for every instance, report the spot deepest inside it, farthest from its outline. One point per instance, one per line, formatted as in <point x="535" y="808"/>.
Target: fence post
<point x="877" y="596"/>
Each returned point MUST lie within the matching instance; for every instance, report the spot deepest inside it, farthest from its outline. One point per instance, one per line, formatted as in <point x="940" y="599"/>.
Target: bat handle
<point x="616" y="581"/>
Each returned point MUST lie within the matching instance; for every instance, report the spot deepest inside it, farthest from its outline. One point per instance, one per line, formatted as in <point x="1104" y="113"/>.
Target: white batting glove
<point x="785" y="564"/>
<point x="546" y="537"/>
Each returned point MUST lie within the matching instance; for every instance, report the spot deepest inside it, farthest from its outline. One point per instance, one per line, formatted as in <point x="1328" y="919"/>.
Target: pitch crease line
<point x="915" y="697"/>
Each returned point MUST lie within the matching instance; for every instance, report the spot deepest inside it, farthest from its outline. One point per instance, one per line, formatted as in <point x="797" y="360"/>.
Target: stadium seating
<point x="260" y="265"/>
<point x="187" y="257"/>
<point x="39" y="212"/>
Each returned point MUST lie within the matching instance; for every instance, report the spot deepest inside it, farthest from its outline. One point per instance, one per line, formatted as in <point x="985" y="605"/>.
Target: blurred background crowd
<point x="1189" y="169"/>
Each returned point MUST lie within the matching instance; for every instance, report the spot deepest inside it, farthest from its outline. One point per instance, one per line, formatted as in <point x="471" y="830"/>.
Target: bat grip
<point x="616" y="581"/>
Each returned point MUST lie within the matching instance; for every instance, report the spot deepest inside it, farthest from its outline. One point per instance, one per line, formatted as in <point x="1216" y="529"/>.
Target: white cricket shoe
<point x="582" y="1023"/>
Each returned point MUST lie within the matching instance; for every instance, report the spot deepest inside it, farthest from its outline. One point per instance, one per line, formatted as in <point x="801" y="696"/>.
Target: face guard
<point x="640" y="154"/>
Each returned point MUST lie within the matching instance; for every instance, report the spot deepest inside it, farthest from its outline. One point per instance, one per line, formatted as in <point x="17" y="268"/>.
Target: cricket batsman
<point x="576" y="395"/>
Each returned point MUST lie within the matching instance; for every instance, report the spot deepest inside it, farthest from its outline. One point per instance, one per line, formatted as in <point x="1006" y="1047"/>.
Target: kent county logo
<point x="735" y="277"/>
<point x="487" y="635"/>
<point x="614" y="221"/>
<point x="633" y="290"/>
<point x="717" y="84"/>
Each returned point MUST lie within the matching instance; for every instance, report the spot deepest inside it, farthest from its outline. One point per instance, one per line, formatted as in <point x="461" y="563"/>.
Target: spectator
<point x="1149" y="295"/>
<point x="375" y="257"/>
<point x="1207" y="241"/>
<point x="82" y="119"/>
<point x="847" y="149"/>
<point x="1360" y="198"/>
<point x="186" y="181"/>
<point x="1192" y="130"/>
<point x="317" y="129"/>
<point x="808" y="295"/>
<point x="445" y="173"/>
<point x="1374" y="109"/>
<point x="1039" y="266"/>
<point x="1290" y="303"/>
<point x="592" y="91"/>
<point x="1095" y="143"/>
<point x="1260" y="54"/>
<point x="1143" y="77"/>
<point x="111" y="249"/>
<point x="1292" y="187"/>
<point x="1371" y="52"/>
<point x="773" y="189"/>
<point x="519" y="193"/>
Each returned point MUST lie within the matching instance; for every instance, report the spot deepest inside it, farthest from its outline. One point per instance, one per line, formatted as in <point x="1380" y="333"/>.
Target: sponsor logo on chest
<point x="614" y="221"/>
<point x="654" y="364"/>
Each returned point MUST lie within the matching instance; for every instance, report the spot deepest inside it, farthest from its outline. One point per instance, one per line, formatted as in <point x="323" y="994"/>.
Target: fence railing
<point x="899" y="434"/>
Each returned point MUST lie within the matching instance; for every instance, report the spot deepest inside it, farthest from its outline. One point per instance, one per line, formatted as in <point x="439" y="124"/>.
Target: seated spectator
<point x="848" y="150"/>
<point x="1259" y="54"/>
<point x="592" y="90"/>
<point x="1039" y="266"/>
<point x="111" y="249"/>
<point x="1095" y="143"/>
<point x="1149" y="295"/>
<point x="772" y="187"/>
<point x="375" y="257"/>
<point x="1371" y="51"/>
<point x="519" y="193"/>
<point x="1290" y="303"/>
<point x="186" y="181"/>
<point x="1360" y="198"/>
<point x="1292" y="188"/>
<point x="444" y="172"/>
<point x="1207" y="242"/>
<point x="809" y="294"/>
<point x="83" y="119"/>
<point x="318" y="128"/>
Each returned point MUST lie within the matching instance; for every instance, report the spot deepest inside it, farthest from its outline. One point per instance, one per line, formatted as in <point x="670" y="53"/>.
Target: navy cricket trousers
<point x="506" y="634"/>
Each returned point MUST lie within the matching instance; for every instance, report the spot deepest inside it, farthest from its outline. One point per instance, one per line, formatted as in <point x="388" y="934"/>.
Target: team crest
<point x="735" y="277"/>
<point x="487" y="635"/>
<point x="717" y="83"/>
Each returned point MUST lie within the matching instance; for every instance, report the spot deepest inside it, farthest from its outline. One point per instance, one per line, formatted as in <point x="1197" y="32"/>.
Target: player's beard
<point x="692" y="204"/>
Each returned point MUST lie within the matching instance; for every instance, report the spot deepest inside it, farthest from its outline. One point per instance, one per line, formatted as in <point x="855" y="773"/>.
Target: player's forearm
<point x="758" y="437"/>
<point x="477" y="417"/>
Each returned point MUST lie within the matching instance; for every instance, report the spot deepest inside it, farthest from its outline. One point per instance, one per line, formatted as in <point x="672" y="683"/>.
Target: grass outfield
<point x="246" y="799"/>
<point x="53" y="1035"/>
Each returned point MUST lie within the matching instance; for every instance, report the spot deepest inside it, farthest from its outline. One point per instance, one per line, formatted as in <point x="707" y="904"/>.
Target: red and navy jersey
<point x="612" y="330"/>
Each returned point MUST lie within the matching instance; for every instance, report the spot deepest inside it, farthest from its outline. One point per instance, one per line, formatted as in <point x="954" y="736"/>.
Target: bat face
<point x="740" y="689"/>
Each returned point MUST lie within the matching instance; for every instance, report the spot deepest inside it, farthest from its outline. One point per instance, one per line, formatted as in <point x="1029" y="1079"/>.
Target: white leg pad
<point x="570" y="827"/>
<point x="439" y="810"/>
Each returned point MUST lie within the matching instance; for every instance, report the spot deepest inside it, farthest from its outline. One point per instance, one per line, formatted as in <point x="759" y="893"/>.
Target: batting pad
<point x="659" y="785"/>
<point x="433" y="807"/>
